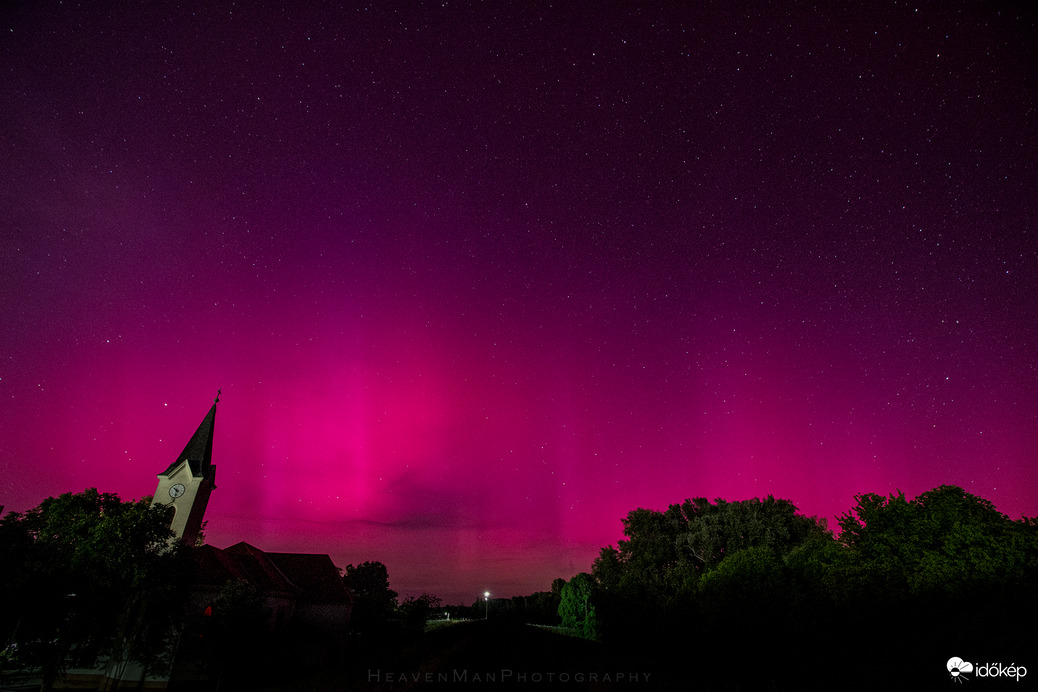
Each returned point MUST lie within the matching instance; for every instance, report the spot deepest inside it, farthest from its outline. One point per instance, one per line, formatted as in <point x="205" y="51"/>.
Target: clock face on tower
<point x="176" y="490"/>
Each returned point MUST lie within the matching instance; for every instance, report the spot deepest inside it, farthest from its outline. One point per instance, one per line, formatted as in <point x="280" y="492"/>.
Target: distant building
<point x="300" y="588"/>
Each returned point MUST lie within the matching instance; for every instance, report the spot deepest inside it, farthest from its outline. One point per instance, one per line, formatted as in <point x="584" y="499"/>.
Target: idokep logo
<point x="958" y="668"/>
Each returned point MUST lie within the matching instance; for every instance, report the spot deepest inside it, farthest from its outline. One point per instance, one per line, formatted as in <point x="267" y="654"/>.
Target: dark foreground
<point x="480" y="655"/>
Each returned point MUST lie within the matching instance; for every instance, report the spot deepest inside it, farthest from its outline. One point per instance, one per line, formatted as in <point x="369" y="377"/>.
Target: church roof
<point x="216" y="567"/>
<point x="304" y="576"/>
<point x="316" y="575"/>
<point x="199" y="450"/>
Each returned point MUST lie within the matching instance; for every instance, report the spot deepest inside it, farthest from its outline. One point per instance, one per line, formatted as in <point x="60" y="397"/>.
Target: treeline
<point x="540" y="608"/>
<point x="378" y="611"/>
<point x="737" y="595"/>
<point x="756" y="589"/>
<point x="376" y="608"/>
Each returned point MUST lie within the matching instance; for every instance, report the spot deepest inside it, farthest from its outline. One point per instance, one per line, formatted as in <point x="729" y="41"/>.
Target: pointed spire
<point x="199" y="450"/>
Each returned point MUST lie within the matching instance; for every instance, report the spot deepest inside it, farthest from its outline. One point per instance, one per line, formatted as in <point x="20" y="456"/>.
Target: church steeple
<point x="186" y="483"/>
<point x="198" y="452"/>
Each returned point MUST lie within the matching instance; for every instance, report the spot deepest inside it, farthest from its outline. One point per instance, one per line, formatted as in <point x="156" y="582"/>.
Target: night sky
<point x="478" y="280"/>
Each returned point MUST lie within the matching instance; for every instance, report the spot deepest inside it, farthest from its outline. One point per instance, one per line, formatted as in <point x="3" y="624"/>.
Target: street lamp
<point x="486" y="598"/>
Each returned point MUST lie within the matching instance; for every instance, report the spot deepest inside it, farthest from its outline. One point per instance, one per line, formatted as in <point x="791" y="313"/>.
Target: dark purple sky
<point x="476" y="281"/>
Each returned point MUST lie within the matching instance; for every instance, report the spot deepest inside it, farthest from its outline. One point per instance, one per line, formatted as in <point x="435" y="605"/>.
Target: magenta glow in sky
<point x="475" y="283"/>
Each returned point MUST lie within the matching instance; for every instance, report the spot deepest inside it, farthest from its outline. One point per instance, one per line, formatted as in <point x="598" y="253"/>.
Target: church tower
<point x="186" y="484"/>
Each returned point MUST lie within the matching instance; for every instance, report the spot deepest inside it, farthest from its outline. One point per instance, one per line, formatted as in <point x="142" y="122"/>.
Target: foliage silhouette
<point x="575" y="606"/>
<point x="416" y="611"/>
<point x="374" y="603"/>
<point x="755" y="579"/>
<point x="89" y="575"/>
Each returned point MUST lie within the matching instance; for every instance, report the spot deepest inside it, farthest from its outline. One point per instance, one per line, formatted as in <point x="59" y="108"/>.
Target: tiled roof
<point x="215" y="567"/>
<point x="303" y="576"/>
<point x="316" y="575"/>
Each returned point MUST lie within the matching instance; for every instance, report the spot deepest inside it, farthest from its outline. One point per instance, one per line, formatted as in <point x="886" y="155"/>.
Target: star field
<point x="476" y="281"/>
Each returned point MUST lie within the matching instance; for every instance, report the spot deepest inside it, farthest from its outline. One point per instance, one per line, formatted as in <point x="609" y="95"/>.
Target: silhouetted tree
<point x="947" y="561"/>
<point x="945" y="540"/>
<point x="749" y="585"/>
<point x="716" y="530"/>
<point x="576" y="607"/>
<point x="649" y="552"/>
<point x="819" y="571"/>
<point x="416" y="610"/>
<point x="87" y="574"/>
<point x="542" y="607"/>
<point x="607" y="569"/>
<point x="373" y="601"/>
<point x="755" y="580"/>
<point x="665" y="553"/>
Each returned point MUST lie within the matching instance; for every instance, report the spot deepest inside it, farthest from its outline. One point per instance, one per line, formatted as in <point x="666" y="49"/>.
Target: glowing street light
<point x="486" y="598"/>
